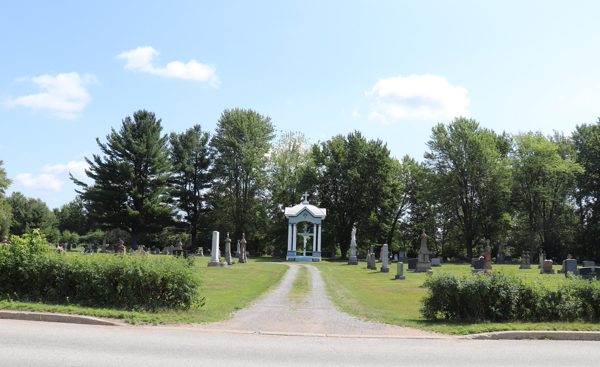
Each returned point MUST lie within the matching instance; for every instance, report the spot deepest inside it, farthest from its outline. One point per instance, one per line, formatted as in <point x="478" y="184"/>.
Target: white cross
<point x="305" y="197"/>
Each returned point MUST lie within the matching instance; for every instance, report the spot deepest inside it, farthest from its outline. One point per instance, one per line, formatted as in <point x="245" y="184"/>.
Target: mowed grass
<point x="226" y="290"/>
<point x="301" y="286"/>
<point x="376" y="296"/>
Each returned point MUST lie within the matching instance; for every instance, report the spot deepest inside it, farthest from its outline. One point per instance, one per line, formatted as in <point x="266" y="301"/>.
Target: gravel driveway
<point x="315" y="314"/>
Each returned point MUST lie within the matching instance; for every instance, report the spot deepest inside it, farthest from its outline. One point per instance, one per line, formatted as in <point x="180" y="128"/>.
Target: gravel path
<point x="315" y="314"/>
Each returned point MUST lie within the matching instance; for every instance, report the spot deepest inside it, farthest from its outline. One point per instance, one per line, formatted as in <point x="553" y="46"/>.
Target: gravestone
<point x="423" y="264"/>
<point x="478" y="266"/>
<point x="385" y="259"/>
<point x="547" y="269"/>
<point x="237" y="251"/>
<point x="589" y="272"/>
<point x="333" y="253"/>
<point x="381" y="254"/>
<point x="500" y="255"/>
<point x="400" y="270"/>
<point x="412" y="264"/>
<point x="352" y="260"/>
<point x="542" y="259"/>
<point x="436" y="262"/>
<point x="395" y="258"/>
<point x="371" y="259"/>
<point x="570" y="266"/>
<point x="243" y="257"/>
<point x="589" y="264"/>
<point x="200" y="251"/>
<point x="525" y="264"/>
<point x="228" y="250"/>
<point x="403" y="256"/>
<point x="487" y="257"/>
<point x="215" y="250"/>
<point x="508" y="259"/>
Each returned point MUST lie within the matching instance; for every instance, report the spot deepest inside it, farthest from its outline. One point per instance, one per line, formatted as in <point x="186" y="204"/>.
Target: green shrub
<point x="129" y="282"/>
<point x="496" y="297"/>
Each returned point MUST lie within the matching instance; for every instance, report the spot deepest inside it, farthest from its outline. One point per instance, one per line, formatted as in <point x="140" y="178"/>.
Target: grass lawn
<point x="301" y="286"/>
<point x="226" y="290"/>
<point x="373" y="295"/>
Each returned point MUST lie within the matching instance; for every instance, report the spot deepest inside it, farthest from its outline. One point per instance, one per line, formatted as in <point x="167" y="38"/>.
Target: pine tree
<point x="131" y="182"/>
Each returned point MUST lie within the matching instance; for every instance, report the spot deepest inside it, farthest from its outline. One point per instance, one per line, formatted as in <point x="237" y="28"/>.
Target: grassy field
<point x="226" y="290"/>
<point x="373" y="295"/>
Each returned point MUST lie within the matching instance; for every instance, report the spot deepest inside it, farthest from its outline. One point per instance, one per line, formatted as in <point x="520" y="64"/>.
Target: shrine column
<point x="319" y="240"/>
<point x="314" y="246"/>
<point x="289" y="237"/>
<point x="294" y="237"/>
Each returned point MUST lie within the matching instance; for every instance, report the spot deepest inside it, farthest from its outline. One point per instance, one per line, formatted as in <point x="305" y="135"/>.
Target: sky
<point x="72" y="71"/>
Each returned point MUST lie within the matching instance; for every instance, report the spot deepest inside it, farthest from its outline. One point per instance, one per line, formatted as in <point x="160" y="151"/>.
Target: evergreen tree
<point x="192" y="158"/>
<point x="130" y="189"/>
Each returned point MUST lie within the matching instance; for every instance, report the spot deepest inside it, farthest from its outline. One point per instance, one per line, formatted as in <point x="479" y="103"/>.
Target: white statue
<point x="353" y="233"/>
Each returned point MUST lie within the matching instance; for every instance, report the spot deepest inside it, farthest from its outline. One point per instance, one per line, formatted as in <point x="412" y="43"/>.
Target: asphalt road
<point x="40" y="344"/>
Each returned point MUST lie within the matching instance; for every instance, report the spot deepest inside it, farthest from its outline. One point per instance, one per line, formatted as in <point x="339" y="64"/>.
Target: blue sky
<point x="69" y="71"/>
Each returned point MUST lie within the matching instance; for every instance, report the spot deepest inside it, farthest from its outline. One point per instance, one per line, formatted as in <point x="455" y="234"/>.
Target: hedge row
<point x="28" y="272"/>
<point x="496" y="297"/>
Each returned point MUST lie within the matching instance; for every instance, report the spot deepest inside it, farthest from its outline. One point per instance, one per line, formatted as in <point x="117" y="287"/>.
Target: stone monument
<point x="371" y="265"/>
<point x="228" y="250"/>
<point x="525" y="261"/>
<point x="487" y="257"/>
<point x="242" y="256"/>
<point x="542" y="259"/>
<point x="237" y="251"/>
<point x="400" y="270"/>
<point x="385" y="259"/>
<point x="215" y="251"/>
<point x="500" y="254"/>
<point x="352" y="258"/>
<point x="423" y="263"/>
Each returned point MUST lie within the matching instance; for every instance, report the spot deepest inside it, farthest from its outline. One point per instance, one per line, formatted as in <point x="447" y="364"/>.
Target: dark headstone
<point x="478" y="264"/>
<point x="508" y="259"/>
<point x="412" y="264"/>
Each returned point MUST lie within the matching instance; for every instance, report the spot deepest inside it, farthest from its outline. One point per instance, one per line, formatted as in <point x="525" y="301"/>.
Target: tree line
<point x="528" y="191"/>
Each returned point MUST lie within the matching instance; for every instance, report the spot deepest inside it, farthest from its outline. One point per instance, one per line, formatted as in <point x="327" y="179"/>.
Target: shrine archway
<point x="304" y="212"/>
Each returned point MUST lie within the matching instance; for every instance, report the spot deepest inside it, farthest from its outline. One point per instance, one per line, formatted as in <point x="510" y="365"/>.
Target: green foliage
<point x="28" y="271"/>
<point x="29" y="213"/>
<point x="192" y="158"/>
<point x="72" y="239"/>
<point x="4" y="180"/>
<point x="498" y="297"/>
<point x="544" y="174"/>
<point x="472" y="177"/>
<point x="241" y="141"/>
<point x="130" y="189"/>
<point x="72" y="217"/>
<point x="291" y="172"/>
<point x="353" y="175"/>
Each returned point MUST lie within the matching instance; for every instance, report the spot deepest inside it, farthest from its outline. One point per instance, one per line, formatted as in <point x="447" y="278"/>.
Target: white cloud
<point x="42" y="182"/>
<point x="64" y="94"/>
<point x="355" y="113"/>
<point x="77" y="168"/>
<point x="426" y="97"/>
<point x="140" y="59"/>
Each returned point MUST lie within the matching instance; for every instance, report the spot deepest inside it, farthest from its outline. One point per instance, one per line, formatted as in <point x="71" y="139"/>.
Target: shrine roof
<point x="313" y="210"/>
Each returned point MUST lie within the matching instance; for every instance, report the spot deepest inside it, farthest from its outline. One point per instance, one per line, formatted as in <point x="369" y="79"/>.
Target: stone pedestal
<point x="400" y="270"/>
<point x="352" y="260"/>
<point x="487" y="257"/>
<point x="384" y="259"/>
<point x="228" y="250"/>
<point x="214" y="261"/>
<point x="423" y="263"/>
<point x="242" y="255"/>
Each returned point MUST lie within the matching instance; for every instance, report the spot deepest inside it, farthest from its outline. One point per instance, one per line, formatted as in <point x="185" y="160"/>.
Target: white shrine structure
<point x="304" y="212"/>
